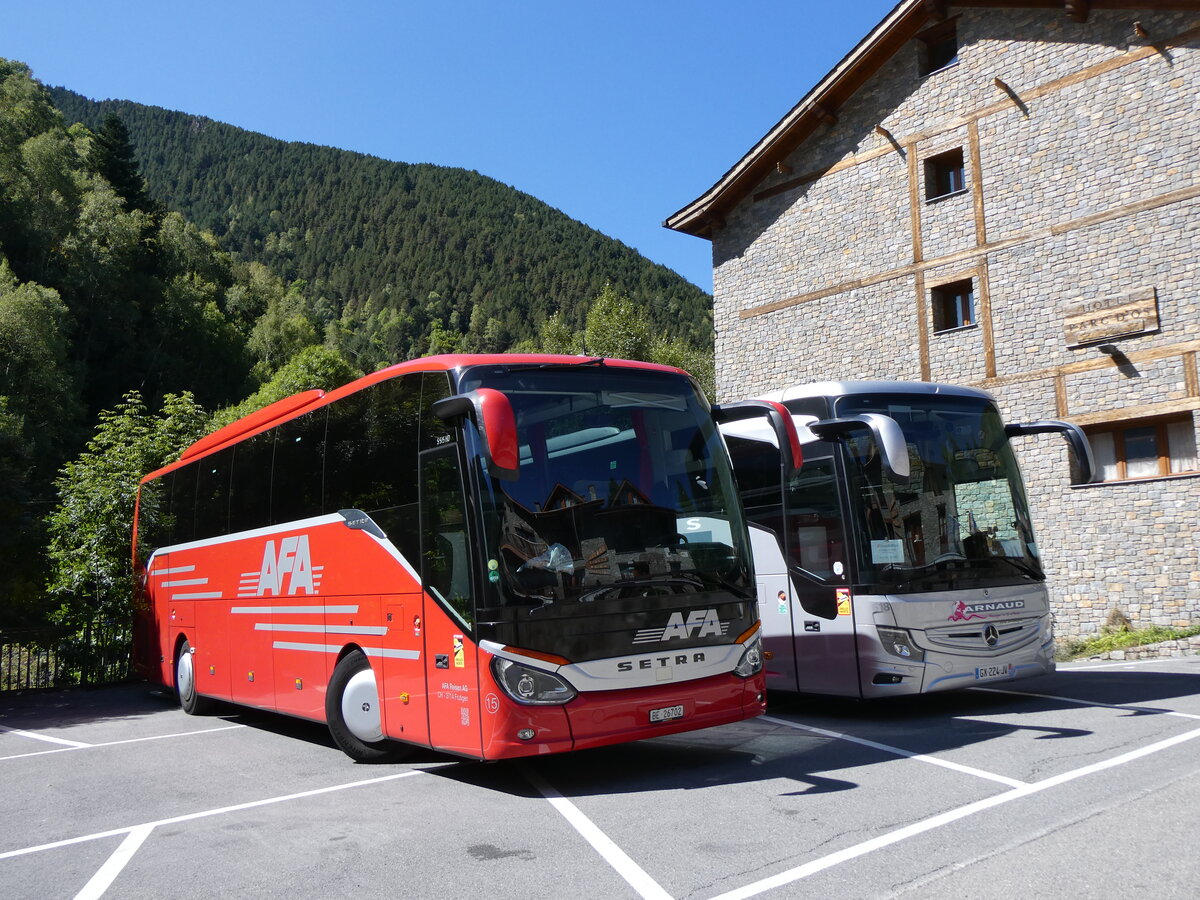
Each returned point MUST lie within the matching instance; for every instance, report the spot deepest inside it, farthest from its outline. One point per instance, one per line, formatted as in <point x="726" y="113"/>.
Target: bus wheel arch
<point x="185" y="680"/>
<point x="352" y="710"/>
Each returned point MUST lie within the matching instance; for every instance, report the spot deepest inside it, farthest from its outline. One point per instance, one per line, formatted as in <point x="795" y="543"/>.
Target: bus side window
<point x="212" y="494"/>
<point x="395" y="416"/>
<point x="250" y="487"/>
<point x="815" y="519"/>
<point x="446" y="556"/>
<point x="759" y="479"/>
<point x="183" y="505"/>
<point x="445" y="544"/>
<point x="154" y="518"/>
<point x="296" y="472"/>
<point x="371" y="458"/>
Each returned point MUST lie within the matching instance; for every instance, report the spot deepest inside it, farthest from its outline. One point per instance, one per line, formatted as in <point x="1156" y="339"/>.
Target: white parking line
<point x="1128" y="707"/>
<point x="188" y="817"/>
<point x="42" y="737"/>
<point x="897" y="751"/>
<point x="1123" y="665"/>
<point x="634" y="874"/>
<point x="99" y="883"/>
<point x="156" y="737"/>
<point x="885" y="840"/>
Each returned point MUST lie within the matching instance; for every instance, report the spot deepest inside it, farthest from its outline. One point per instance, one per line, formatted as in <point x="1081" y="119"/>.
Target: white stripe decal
<point x="210" y="595"/>
<point x="183" y="582"/>
<point x="312" y="648"/>
<point x="102" y="880"/>
<point x="298" y="525"/>
<point x="378" y="630"/>
<point x="392" y="654"/>
<point x="294" y="610"/>
<point x="177" y="570"/>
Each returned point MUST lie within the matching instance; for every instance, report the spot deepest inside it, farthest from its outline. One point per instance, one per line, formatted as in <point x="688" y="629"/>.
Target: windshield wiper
<point x="1021" y="566"/>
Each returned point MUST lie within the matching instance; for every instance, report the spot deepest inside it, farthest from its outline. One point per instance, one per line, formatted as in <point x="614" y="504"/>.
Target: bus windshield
<point x="961" y="520"/>
<point x="624" y="498"/>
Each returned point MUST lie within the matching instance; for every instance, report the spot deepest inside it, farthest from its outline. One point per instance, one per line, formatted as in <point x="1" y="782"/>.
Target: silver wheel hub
<point x="185" y="676"/>
<point x="360" y="707"/>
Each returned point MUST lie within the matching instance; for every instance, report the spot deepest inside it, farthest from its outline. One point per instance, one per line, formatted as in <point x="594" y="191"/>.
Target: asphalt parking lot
<point x="1085" y="783"/>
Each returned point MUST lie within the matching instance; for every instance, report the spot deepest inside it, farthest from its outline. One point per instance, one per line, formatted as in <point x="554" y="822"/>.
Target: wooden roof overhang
<point x="908" y="19"/>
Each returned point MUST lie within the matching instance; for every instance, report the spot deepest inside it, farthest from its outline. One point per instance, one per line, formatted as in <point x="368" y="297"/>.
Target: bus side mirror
<point x="888" y="436"/>
<point x="1081" y="448"/>
<point x="781" y="422"/>
<point x="492" y="414"/>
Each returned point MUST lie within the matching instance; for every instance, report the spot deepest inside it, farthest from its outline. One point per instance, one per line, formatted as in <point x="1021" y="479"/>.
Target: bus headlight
<point x="529" y="686"/>
<point x="898" y="642"/>
<point x="751" y="662"/>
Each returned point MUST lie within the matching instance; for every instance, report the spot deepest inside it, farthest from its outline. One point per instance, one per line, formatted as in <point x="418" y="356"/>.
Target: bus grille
<point x="1010" y="635"/>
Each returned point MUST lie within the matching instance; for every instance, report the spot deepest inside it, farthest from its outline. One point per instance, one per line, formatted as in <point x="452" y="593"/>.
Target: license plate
<point x="983" y="673"/>
<point x="666" y="714"/>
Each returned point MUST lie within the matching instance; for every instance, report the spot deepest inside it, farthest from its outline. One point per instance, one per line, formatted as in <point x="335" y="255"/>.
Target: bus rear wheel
<point x="185" y="684"/>
<point x="352" y="710"/>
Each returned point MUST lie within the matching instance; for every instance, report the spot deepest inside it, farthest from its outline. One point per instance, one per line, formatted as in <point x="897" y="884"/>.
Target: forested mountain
<point x="152" y="260"/>
<point x="391" y="252"/>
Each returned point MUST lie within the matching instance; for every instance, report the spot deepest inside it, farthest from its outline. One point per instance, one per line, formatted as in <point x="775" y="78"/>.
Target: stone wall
<point x="1085" y="186"/>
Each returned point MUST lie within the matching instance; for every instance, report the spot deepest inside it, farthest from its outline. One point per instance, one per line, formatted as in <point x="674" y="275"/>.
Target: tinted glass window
<point x="371" y="458"/>
<point x="183" y="505"/>
<point x="296" y="478"/>
<point x="154" y="517"/>
<point x="212" y="494"/>
<point x="446" y="561"/>
<point x="814" y="518"/>
<point x="250" y="490"/>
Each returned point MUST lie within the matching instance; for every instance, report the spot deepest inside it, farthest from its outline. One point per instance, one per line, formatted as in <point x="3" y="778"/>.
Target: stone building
<point x="1004" y="195"/>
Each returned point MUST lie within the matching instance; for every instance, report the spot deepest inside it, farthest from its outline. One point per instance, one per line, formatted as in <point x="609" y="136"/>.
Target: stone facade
<point x="1081" y="163"/>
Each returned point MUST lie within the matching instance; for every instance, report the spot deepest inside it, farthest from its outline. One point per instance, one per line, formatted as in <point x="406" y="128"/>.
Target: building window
<point x="1145" y="449"/>
<point x="938" y="47"/>
<point x="944" y="174"/>
<point x="953" y="305"/>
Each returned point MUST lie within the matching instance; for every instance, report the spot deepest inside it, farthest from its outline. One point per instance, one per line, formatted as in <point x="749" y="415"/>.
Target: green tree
<point x="112" y="156"/>
<point x="312" y="368"/>
<point x="283" y="330"/>
<point x="617" y="327"/>
<point x="91" y="528"/>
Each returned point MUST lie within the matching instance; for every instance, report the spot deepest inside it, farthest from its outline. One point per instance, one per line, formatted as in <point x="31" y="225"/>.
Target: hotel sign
<point x="1092" y="321"/>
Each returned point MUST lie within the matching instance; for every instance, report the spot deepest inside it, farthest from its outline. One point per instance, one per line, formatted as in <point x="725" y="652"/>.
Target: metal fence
<point x="59" y="656"/>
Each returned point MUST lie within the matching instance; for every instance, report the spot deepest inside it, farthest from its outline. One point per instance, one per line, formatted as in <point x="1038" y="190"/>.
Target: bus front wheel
<point x="185" y="684"/>
<point x="352" y="711"/>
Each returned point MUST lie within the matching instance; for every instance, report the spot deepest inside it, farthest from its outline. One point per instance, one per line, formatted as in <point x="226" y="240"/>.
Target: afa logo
<point x="699" y="623"/>
<point x="287" y="570"/>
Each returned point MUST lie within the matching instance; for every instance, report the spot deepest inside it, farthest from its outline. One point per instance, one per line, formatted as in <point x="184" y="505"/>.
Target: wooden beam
<point x="935" y="9"/>
<point x="825" y="114"/>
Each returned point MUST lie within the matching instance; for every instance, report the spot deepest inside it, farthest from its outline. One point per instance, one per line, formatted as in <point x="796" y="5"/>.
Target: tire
<point x="185" y="685"/>
<point x="352" y="710"/>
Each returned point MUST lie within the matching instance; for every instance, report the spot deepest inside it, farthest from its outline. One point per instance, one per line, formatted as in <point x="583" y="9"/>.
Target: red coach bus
<point x="492" y="556"/>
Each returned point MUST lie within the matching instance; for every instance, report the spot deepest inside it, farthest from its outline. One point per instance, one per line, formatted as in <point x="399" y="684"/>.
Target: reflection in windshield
<point x="623" y="493"/>
<point x="962" y="519"/>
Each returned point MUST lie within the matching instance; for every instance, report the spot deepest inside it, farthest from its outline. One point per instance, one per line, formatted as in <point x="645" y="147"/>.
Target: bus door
<point x="450" y="654"/>
<point x="819" y="566"/>
<point x="775" y="607"/>
<point x="403" y="692"/>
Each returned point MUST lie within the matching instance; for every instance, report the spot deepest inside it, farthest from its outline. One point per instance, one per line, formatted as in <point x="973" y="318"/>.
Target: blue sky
<point x="617" y="113"/>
